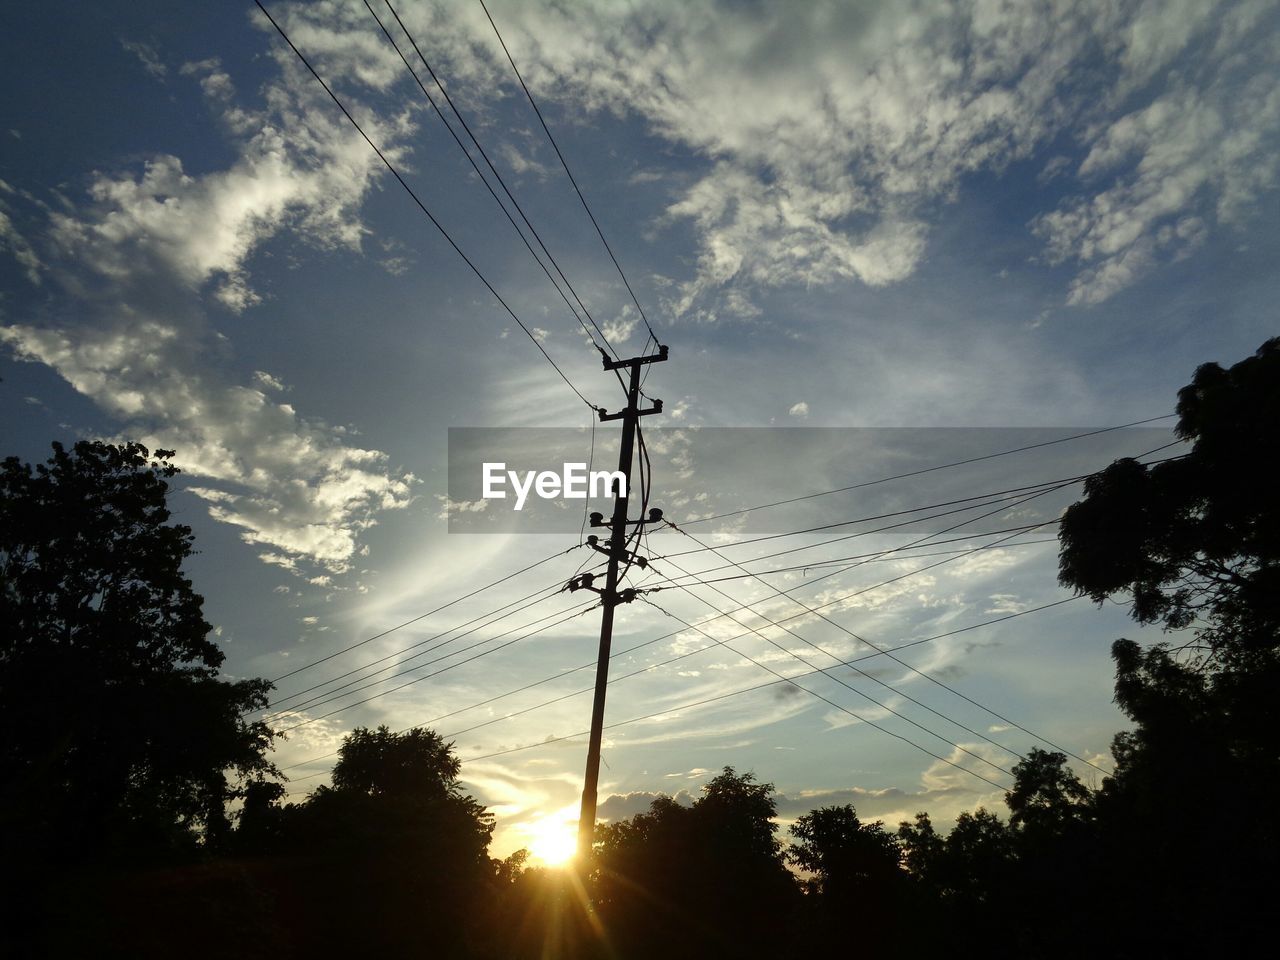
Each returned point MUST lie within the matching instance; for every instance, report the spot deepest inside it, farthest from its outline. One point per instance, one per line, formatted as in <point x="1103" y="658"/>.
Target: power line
<point x="969" y="503"/>
<point x="929" y="677"/>
<point x="422" y="206"/>
<point x="495" y="615"/>
<point x="360" y="685"/>
<point x="839" y="707"/>
<point x="873" y="679"/>
<point x="494" y="170"/>
<point x="807" y="609"/>
<point x="823" y="577"/>
<point x="887" y="555"/>
<point x="656" y="666"/>
<point x="903" y="663"/>
<point x="995" y="497"/>
<point x="577" y="613"/>
<point x="835" y="600"/>
<point x="422" y="616"/>
<point x="646" y="643"/>
<point x="941" y="466"/>
<point x="723" y="696"/>
<point x="564" y="163"/>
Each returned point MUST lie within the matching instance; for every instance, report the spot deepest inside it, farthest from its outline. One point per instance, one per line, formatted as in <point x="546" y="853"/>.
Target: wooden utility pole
<point x="615" y="548"/>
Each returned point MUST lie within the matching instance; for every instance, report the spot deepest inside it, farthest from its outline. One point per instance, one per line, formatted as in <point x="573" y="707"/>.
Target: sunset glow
<point x="553" y="840"/>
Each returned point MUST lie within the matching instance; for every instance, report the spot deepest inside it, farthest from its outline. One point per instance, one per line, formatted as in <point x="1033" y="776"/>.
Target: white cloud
<point x="618" y="330"/>
<point x="15" y="244"/>
<point x="147" y="56"/>
<point x="267" y="381"/>
<point x="136" y="260"/>
<point x="520" y="164"/>
<point x="832" y="132"/>
<point x="1197" y="154"/>
<point x="799" y="410"/>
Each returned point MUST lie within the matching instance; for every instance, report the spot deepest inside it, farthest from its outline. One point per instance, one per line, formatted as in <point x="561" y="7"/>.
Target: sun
<point x="553" y="840"/>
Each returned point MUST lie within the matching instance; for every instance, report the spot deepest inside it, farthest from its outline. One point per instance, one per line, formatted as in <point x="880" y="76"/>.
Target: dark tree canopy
<point x="683" y="881"/>
<point x="379" y="763"/>
<point x="846" y="855"/>
<point x="395" y="848"/>
<point x="1195" y="543"/>
<point x="1047" y="798"/>
<point x="118" y="732"/>
<point x="1194" y="540"/>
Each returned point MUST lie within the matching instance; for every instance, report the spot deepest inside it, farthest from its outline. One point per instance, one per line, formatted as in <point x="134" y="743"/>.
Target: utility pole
<point x="615" y="548"/>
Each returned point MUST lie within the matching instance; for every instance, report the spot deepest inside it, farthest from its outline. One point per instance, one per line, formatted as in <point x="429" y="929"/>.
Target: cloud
<point x="147" y="56"/>
<point x="799" y="410"/>
<point x="622" y="806"/>
<point x="138" y="263"/>
<point x="521" y="164"/>
<point x="870" y="804"/>
<point x="267" y="381"/>
<point x="619" y="329"/>
<point x="1188" y="159"/>
<point x="832" y="134"/>
<point x="14" y="243"/>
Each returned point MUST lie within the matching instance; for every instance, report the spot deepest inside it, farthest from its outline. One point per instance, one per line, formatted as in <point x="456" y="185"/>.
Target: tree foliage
<point x="1047" y="798"/>
<point x="1195" y="543"/>
<point x="682" y="881"/>
<point x="1196" y="539"/>
<point x="118" y="731"/>
<point x="847" y="856"/>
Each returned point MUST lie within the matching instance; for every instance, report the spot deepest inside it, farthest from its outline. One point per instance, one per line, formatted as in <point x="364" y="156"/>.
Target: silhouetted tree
<point x="849" y="858"/>
<point x="922" y="847"/>
<point x="1184" y="846"/>
<point x="120" y="744"/>
<point x="1047" y="798"/>
<point x="1195" y="543"/>
<point x="118" y="732"/>
<point x="977" y="861"/>
<point x="858" y="878"/>
<point x="1194" y="540"/>
<point x="683" y="881"/>
<point x="394" y="847"/>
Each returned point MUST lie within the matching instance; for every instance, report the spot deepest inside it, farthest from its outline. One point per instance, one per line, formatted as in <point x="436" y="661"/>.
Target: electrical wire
<point x="874" y="679"/>
<point x="496" y="615"/>
<point x="886" y="555"/>
<point x="577" y="613"/>
<point x="921" y="472"/>
<point x="646" y="643"/>
<point x="844" y="709"/>
<point x="565" y="164"/>
<point x="421" y="616"/>
<point x="1009" y="494"/>
<point x="494" y="170"/>
<point x="360" y="685"/>
<point x="787" y="595"/>
<point x="723" y="696"/>
<point x="422" y="206"/>
<point x="655" y="666"/>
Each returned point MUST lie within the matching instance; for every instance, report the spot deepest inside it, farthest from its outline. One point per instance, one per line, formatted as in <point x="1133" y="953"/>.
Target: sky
<point x="921" y="232"/>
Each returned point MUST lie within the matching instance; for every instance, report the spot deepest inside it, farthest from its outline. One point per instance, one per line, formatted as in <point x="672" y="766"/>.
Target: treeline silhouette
<point x="141" y="817"/>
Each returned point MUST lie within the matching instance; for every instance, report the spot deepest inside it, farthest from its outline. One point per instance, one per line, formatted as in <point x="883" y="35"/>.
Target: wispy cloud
<point x="833" y="132"/>
<point x="140" y="263"/>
